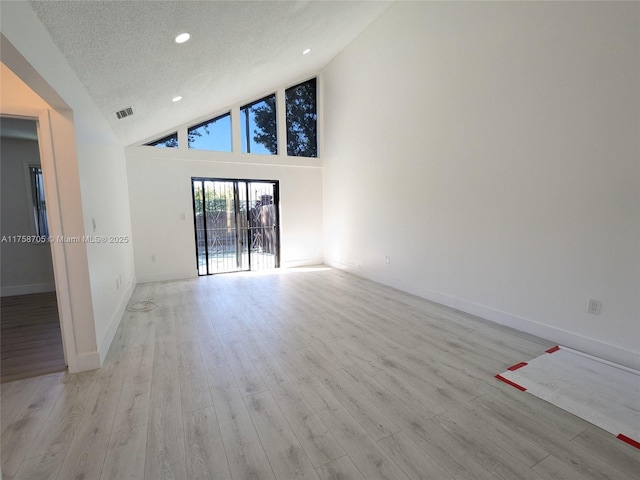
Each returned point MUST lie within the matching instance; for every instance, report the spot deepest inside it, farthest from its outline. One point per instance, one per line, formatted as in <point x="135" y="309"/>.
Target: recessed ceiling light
<point x="176" y="99"/>
<point x="306" y="51"/>
<point x="183" y="37"/>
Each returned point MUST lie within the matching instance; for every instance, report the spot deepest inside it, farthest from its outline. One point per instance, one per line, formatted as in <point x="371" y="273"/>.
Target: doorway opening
<point x="237" y="225"/>
<point x="31" y="337"/>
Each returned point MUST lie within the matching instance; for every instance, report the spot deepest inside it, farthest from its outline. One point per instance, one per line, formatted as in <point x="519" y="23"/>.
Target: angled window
<point x="39" y="206"/>
<point x="258" y="129"/>
<point x="214" y="134"/>
<point x="170" y="141"/>
<point x="302" y="119"/>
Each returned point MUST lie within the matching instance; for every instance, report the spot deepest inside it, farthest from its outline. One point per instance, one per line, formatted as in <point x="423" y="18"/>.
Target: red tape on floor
<point x="628" y="440"/>
<point x="509" y="382"/>
<point x="517" y="366"/>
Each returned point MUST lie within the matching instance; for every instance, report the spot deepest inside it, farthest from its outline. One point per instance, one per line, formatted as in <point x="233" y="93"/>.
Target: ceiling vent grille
<point x="125" y="112"/>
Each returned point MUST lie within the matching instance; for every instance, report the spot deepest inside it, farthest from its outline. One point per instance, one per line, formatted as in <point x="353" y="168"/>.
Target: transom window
<point x="214" y="134"/>
<point x="170" y="141"/>
<point x="302" y="117"/>
<point x="258" y="127"/>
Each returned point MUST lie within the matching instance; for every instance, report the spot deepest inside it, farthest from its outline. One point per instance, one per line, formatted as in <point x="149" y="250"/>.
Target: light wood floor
<point x="299" y="374"/>
<point x="30" y="338"/>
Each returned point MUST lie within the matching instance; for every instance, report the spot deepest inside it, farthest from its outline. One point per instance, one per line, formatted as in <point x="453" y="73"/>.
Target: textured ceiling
<point x="125" y="55"/>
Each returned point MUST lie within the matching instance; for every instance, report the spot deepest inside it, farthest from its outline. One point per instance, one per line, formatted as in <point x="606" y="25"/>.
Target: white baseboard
<point x="86" y="361"/>
<point x="27" y="289"/>
<point x="170" y="276"/>
<point x="166" y="276"/>
<point x="114" y="323"/>
<point x="301" y="263"/>
<point x="565" y="338"/>
<point x="556" y="335"/>
<point x="349" y="267"/>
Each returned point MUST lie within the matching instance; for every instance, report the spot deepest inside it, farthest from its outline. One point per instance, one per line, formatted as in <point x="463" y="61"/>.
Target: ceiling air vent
<point x="125" y="112"/>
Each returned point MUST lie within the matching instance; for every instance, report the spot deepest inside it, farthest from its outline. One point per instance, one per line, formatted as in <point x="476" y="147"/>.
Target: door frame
<point x="54" y="219"/>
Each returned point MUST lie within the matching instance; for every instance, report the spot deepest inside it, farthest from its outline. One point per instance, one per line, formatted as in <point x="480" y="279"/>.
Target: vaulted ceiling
<point x="125" y="55"/>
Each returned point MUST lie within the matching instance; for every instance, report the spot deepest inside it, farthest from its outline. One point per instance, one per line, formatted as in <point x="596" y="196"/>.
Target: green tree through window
<point x="258" y="126"/>
<point x="302" y="116"/>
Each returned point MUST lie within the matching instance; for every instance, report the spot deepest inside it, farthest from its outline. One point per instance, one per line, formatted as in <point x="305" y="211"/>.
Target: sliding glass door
<point x="236" y="225"/>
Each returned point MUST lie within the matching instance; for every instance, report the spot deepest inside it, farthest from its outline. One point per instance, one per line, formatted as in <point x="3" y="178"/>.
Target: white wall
<point x="93" y="183"/>
<point x="160" y="193"/>
<point x="492" y="151"/>
<point x="26" y="267"/>
<point x="105" y="202"/>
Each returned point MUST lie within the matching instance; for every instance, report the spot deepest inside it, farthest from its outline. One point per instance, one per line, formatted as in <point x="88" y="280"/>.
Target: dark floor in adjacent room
<point x="31" y="342"/>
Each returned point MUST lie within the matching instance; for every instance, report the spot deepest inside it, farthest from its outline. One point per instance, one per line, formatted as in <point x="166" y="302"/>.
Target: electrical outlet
<point x="387" y="259"/>
<point x="594" y="307"/>
<point x="153" y="258"/>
